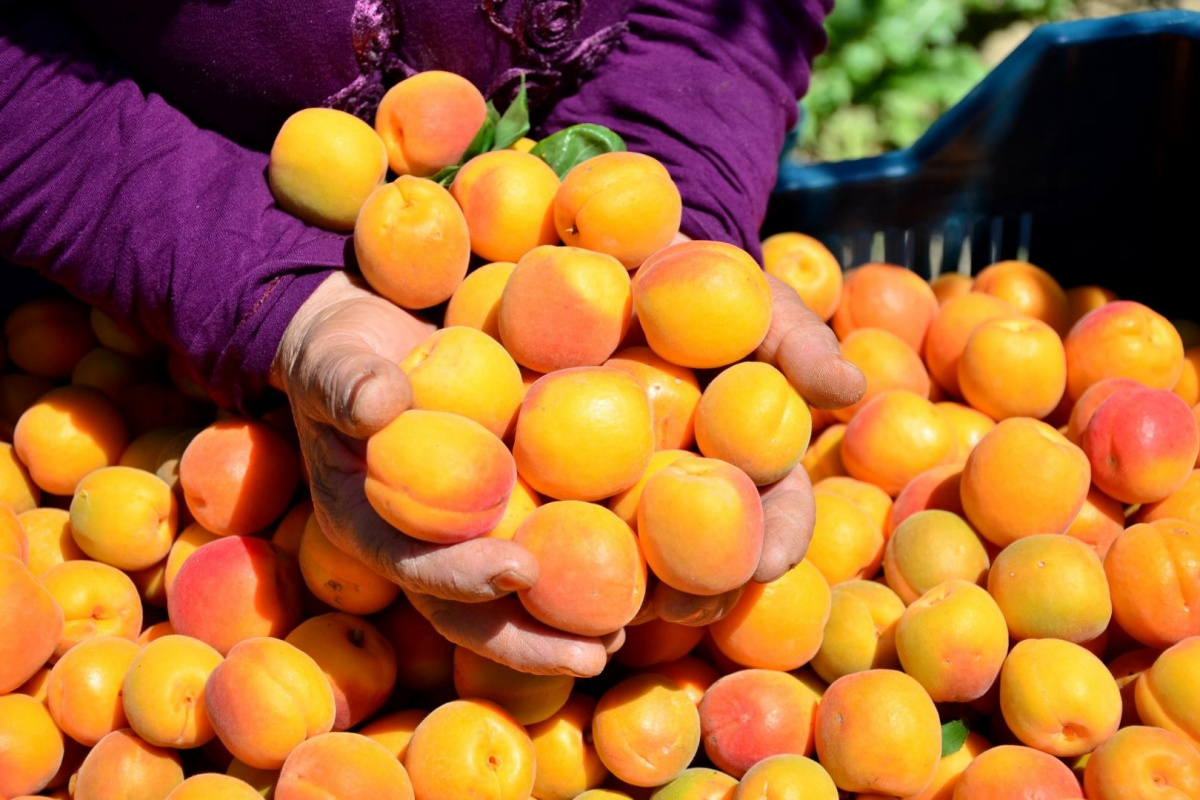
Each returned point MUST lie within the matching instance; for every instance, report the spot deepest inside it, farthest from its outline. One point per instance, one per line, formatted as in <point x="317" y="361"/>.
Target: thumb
<point x="355" y="389"/>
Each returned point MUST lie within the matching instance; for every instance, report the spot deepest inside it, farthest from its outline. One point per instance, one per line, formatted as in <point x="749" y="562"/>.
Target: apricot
<point x="66" y="434"/>
<point x="784" y="776"/>
<point x="213" y="786"/>
<point x="265" y="698"/>
<point x="507" y="198"/>
<point x="646" y="730"/>
<point x="476" y="301"/>
<point x="953" y="640"/>
<point x="149" y="450"/>
<point x="1029" y="289"/>
<point x="673" y="392"/>
<point x="124" y="517"/>
<point x="1126" y="669"/>
<point x="1014" y="772"/>
<point x="154" y="632"/>
<point x="584" y="433"/>
<point x="1013" y="368"/>
<point x="289" y="530"/>
<point x="702" y="304"/>
<point x="124" y="767"/>
<point x="887" y="361"/>
<point x="164" y="690"/>
<point x="697" y="783"/>
<point x="846" y="543"/>
<point x="1167" y="694"/>
<point x="411" y="242"/>
<point x="233" y="589"/>
<point x="394" y="730"/>
<point x="318" y="768"/>
<point x="83" y="690"/>
<point x="567" y="763"/>
<point x="466" y="744"/>
<point x="1051" y="585"/>
<point x="30" y="628"/>
<point x="1152" y="576"/>
<point x="753" y="714"/>
<point x="1123" y="339"/>
<point x="427" y="120"/>
<point x="807" y="266"/>
<point x="96" y="600"/>
<point x="750" y="416"/>
<point x="521" y="503"/>
<point x="894" y="438"/>
<point x="1023" y="478"/>
<point x="238" y="476"/>
<point x="528" y="698"/>
<point x="359" y="662"/>
<point x="31" y="746"/>
<point x="878" y="731"/>
<point x="889" y="297"/>
<point x="564" y="307"/>
<point x="869" y="498"/>
<point x="949" y="770"/>
<point x="950" y="330"/>
<point x="109" y="371"/>
<point x="823" y="459"/>
<point x="48" y="335"/>
<point x="13" y="541"/>
<point x="17" y="490"/>
<point x="776" y="625"/>
<point x="592" y="574"/>
<point x="1142" y="761"/>
<point x="465" y="372"/>
<point x="48" y="531"/>
<point x="1099" y="522"/>
<point x="1188" y="385"/>
<point x="324" y="164"/>
<point x="694" y="675"/>
<point x="701" y="499"/>
<point x="621" y="204"/>
<point x="438" y="476"/>
<point x="860" y="633"/>
<point x="1058" y="697"/>
<point x="656" y="642"/>
<point x="1142" y="444"/>
<point x="935" y="489"/>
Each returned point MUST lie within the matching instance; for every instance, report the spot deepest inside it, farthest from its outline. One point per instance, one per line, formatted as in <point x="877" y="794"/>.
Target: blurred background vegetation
<point x="893" y="66"/>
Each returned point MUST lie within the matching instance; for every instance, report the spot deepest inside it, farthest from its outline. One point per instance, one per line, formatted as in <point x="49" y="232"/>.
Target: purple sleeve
<point x="121" y="199"/>
<point x="709" y="87"/>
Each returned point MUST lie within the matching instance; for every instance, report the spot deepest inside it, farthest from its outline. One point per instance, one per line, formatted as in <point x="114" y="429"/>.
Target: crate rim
<point x="795" y="177"/>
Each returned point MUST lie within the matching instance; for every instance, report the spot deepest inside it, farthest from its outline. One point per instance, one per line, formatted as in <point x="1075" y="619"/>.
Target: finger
<point x="352" y="387"/>
<point x="503" y="631"/>
<point x="806" y="350"/>
<point x="472" y="571"/>
<point x="789" y="515"/>
<point x="683" y="608"/>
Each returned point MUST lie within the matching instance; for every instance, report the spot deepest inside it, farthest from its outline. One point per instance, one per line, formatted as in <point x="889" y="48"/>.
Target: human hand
<point x="338" y="362"/>
<point x="807" y="352"/>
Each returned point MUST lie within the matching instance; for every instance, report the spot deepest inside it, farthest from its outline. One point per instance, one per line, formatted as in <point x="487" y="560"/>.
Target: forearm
<point x="710" y="89"/>
<point x="121" y="199"/>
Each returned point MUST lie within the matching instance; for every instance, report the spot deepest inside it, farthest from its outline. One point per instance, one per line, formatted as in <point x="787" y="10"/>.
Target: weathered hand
<point x="338" y="362"/>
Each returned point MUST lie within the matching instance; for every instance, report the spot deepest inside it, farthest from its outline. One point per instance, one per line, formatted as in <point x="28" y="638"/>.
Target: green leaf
<point x="576" y="144"/>
<point x="445" y="176"/>
<point x="485" y="136"/>
<point x="953" y="735"/>
<point x="515" y="122"/>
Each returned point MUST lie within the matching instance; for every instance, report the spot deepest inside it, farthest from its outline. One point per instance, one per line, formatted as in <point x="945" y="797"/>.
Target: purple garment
<point x="133" y="133"/>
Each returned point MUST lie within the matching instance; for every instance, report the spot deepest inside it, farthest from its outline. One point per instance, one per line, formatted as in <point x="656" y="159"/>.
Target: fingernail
<point x="510" y="582"/>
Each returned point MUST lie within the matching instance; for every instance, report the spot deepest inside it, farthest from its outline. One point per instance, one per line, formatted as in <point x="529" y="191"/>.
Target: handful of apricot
<point x="998" y="600"/>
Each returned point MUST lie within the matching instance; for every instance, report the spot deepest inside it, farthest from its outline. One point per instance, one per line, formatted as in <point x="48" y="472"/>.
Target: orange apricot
<point x="83" y="690"/>
<point x="213" y="786"/>
<point x="48" y="335"/>
<point x="1013" y="368"/>
<point x="48" y="531"/>
<point x="17" y="489"/>
<point x="96" y="600"/>
<point x="786" y="775"/>
<point x="823" y="459"/>
<point x="807" y="266"/>
<point x="31" y="746"/>
<point x="1123" y="339"/>
<point x="339" y="579"/>
<point x="646" y="730"/>
<point x="30" y="628"/>
<point x="1082" y="299"/>
<point x="950" y="285"/>
<point x="622" y="204"/>
<point x="359" y="662"/>
<point x="1014" y="771"/>
<point x="18" y="392"/>
<point x="1099" y="522"/>
<point x="951" y="329"/>
<point x="476" y="301"/>
<point x="394" y="731"/>
<point x="411" y="242"/>
<point x="124" y="517"/>
<point x="673" y="392"/>
<point x="657" y="641"/>
<point x="1141" y="761"/>
<point x="929" y="548"/>
<point x="894" y="438"/>
<point x="969" y="426"/>
<point x="567" y="763"/>
<point x="846" y="543"/>
<point x="1152" y="575"/>
<point x="1167" y="694"/>
<point x="702" y="303"/>
<point x="1031" y="290"/>
<point x="124" y="767"/>
<point x="529" y="698"/>
<point x="507" y="198"/>
<point x="318" y="767"/>
<point x="889" y="297"/>
<point x="66" y="434"/>
<point x="860" y="633"/>
<point x="323" y="165"/>
<point x="427" y="120"/>
<point x="887" y="361"/>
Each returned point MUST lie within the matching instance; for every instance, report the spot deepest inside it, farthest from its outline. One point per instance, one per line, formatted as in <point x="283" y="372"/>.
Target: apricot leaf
<point x="953" y="735"/>
<point x="576" y="144"/>
<point x="515" y="122"/>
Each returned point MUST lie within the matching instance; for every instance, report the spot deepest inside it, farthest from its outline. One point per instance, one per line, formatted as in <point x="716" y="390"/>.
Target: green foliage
<point x="894" y="66"/>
